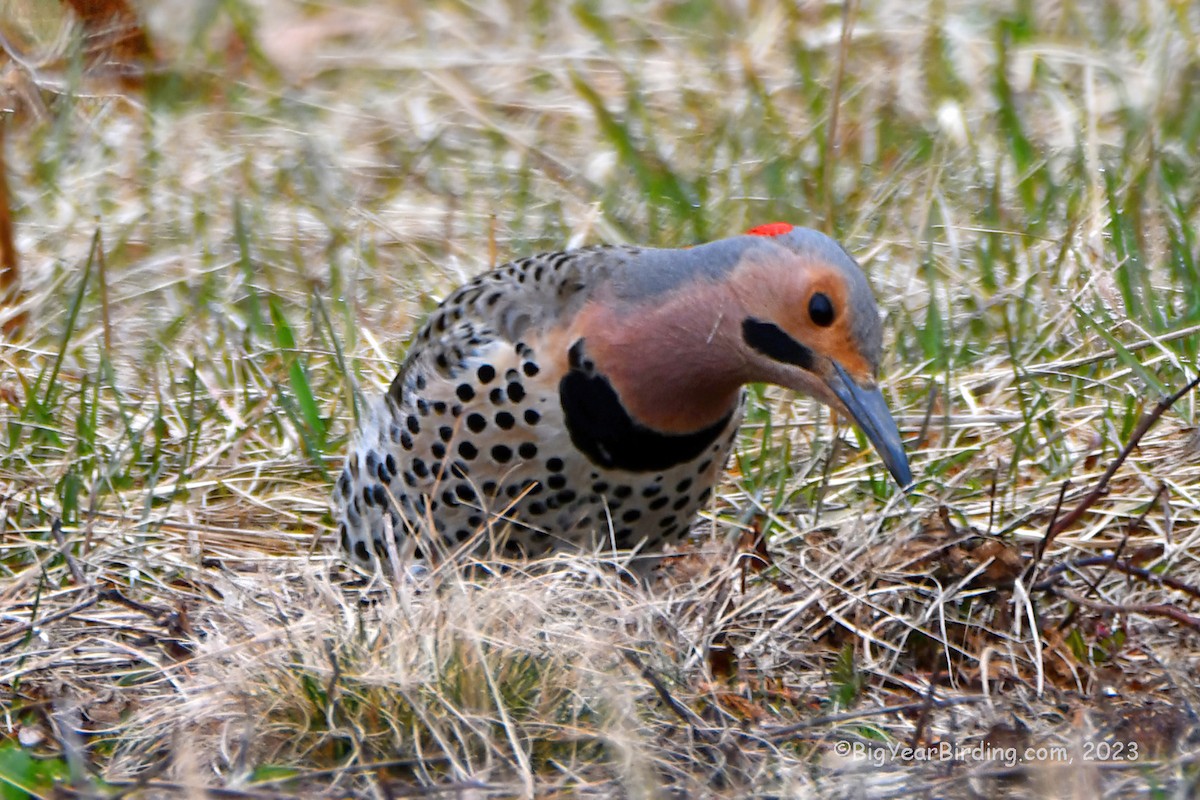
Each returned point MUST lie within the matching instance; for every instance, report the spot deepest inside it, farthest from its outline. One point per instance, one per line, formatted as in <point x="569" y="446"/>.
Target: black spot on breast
<point x="527" y="450"/>
<point x="344" y="486"/>
<point x="532" y="417"/>
<point x="632" y="515"/>
<point x="446" y="433"/>
<point x="516" y="392"/>
<point x="360" y="550"/>
<point x="530" y="368"/>
<point x="622" y="491"/>
<point x="438" y="450"/>
<point x="414" y="424"/>
<point x="502" y="453"/>
<point x="476" y="423"/>
<point x="419" y="468"/>
<point x="486" y="373"/>
<point x="554" y="464"/>
<point x="505" y="420"/>
<point x="658" y="503"/>
<point x="603" y="430"/>
<point x="556" y="481"/>
<point x="681" y="503"/>
<point x="468" y="450"/>
<point x="465" y="392"/>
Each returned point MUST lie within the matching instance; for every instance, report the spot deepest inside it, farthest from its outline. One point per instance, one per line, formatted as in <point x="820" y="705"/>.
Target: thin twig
<point x="34" y="623"/>
<point x="775" y="734"/>
<point x="682" y="711"/>
<point x="849" y="8"/>
<point x="64" y="548"/>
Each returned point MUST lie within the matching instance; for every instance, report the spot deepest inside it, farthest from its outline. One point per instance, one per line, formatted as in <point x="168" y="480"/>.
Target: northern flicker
<point x="588" y="400"/>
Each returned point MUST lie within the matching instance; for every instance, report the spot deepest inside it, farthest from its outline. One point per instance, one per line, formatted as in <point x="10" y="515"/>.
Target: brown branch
<point x="11" y="293"/>
<point x="1150" y="609"/>
<point x="117" y="44"/>
<point x="1054" y="574"/>
<point x="1090" y="500"/>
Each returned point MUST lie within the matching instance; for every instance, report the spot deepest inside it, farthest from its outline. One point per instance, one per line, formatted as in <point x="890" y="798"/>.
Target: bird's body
<point x="589" y="399"/>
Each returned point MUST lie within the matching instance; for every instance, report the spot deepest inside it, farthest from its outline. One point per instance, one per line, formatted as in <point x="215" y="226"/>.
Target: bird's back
<point x="469" y="447"/>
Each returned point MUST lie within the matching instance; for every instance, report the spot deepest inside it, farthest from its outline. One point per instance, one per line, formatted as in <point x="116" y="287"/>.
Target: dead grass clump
<point x="499" y="682"/>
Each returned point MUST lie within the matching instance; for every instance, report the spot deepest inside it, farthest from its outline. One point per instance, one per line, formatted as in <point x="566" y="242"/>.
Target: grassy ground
<point x="217" y="263"/>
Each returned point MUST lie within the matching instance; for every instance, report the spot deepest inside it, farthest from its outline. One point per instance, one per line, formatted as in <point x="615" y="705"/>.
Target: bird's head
<point x="809" y="323"/>
<point x="678" y="332"/>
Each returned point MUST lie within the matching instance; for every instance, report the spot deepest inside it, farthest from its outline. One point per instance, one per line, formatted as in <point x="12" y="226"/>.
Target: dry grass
<point x="215" y="265"/>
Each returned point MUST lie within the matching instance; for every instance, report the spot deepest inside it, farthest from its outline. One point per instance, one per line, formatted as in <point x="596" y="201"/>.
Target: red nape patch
<point x="771" y="229"/>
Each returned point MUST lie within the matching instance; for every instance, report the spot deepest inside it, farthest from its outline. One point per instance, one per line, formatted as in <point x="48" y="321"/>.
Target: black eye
<point x="820" y="308"/>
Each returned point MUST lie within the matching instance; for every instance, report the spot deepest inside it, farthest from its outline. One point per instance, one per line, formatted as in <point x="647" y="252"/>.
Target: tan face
<point x="818" y="313"/>
<point x="814" y="304"/>
<point x="806" y="328"/>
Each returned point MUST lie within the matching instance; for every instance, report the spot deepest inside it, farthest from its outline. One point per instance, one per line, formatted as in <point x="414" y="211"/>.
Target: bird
<point x="587" y="400"/>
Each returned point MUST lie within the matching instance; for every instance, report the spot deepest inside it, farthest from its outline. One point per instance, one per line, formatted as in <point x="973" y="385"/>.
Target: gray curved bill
<point x="869" y="410"/>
